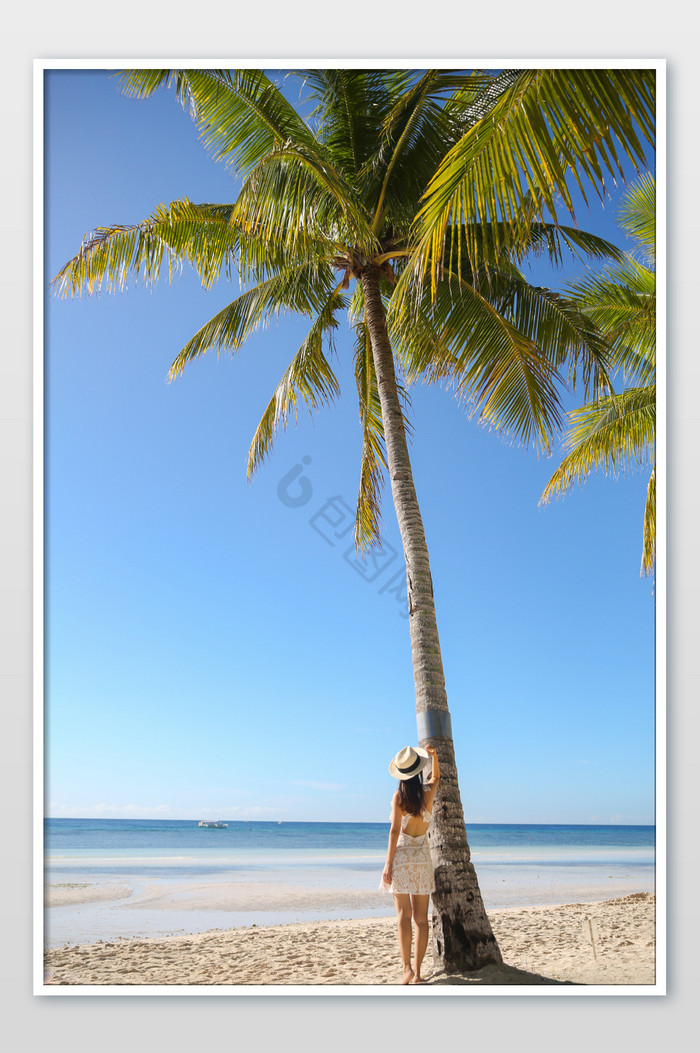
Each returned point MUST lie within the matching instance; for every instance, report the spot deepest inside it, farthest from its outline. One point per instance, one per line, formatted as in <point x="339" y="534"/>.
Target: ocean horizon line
<point x="325" y="822"/>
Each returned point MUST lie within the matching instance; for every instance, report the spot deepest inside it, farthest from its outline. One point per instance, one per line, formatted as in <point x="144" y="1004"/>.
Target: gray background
<point x="323" y="32"/>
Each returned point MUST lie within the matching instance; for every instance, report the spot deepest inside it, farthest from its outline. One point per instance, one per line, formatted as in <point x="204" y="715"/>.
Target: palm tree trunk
<point x="462" y="934"/>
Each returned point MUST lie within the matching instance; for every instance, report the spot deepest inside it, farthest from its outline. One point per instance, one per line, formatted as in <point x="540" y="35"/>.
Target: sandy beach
<point x="540" y="945"/>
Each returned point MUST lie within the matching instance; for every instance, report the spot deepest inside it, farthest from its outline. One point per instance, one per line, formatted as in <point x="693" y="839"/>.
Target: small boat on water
<point x="211" y="824"/>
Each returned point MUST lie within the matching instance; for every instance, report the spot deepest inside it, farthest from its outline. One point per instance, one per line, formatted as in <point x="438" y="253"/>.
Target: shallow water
<point x="185" y="879"/>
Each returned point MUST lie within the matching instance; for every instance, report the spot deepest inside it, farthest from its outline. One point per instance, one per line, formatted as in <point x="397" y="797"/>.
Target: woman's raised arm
<point x="435" y="770"/>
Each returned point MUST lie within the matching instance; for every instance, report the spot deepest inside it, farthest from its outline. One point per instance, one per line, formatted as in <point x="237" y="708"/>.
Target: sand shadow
<point x="496" y="976"/>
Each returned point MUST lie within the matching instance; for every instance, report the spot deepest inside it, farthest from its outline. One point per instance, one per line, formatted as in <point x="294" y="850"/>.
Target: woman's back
<point x="416" y="825"/>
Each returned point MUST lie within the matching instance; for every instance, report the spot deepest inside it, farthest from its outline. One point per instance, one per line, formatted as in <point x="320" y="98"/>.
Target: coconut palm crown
<point x="407" y="202"/>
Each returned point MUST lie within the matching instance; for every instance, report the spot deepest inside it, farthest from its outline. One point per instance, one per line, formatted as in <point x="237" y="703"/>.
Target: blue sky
<point x="211" y="650"/>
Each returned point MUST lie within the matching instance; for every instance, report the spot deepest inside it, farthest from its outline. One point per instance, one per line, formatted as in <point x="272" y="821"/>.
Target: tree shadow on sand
<point x="495" y="976"/>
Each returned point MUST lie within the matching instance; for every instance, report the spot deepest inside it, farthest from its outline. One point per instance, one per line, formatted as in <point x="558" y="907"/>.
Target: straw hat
<point x="408" y="762"/>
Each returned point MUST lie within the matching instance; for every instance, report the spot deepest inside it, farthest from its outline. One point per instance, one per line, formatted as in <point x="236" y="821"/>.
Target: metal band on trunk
<point x="434" y="724"/>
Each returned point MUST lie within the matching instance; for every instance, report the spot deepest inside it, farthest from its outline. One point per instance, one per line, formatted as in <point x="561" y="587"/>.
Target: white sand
<point x="68" y="893"/>
<point x="248" y="896"/>
<point x="540" y="945"/>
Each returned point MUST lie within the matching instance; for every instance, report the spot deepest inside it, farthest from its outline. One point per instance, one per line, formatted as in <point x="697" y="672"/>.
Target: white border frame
<point x="41" y="989"/>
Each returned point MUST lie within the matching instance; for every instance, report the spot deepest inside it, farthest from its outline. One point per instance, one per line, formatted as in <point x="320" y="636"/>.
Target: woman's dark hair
<point x="412" y="794"/>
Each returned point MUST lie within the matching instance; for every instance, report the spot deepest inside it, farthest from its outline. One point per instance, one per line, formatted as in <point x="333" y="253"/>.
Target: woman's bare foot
<point x="417" y="979"/>
<point x="407" y="975"/>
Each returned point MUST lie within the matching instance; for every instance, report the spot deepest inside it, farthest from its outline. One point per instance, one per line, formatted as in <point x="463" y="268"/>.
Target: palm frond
<point x="460" y="338"/>
<point x="477" y="94"/>
<point x="621" y="301"/>
<point x="308" y="378"/>
<point x="564" y="334"/>
<point x="304" y="289"/>
<point x="202" y="235"/>
<point x="637" y="213"/>
<point x="548" y="127"/>
<point x="288" y="201"/>
<point x="350" y="111"/>
<point x="373" y="462"/>
<point x="617" y="430"/>
<point x="241" y="114"/>
<point x="142" y="83"/>
<point x="551" y="239"/>
<point x="417" y="132"/>
<point x="245" y="119"/>
<point x="607" y="434"/>
<point x="649" y="533"/>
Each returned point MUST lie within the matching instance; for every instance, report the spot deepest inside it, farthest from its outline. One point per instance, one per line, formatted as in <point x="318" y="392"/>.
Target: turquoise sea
<point x="115" y="877"/>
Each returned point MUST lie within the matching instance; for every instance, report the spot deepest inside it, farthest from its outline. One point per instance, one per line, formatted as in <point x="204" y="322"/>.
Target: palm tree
<point x="333" y="201"/>
<point x="619" y="429"/>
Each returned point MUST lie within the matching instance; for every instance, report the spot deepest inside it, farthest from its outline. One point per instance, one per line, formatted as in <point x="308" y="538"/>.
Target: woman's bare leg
<point x="403" y="910"/>
<point x="420" y="917"/>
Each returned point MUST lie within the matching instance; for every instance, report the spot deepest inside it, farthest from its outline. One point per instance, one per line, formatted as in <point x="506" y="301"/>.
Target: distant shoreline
<point x="322" y="822"/>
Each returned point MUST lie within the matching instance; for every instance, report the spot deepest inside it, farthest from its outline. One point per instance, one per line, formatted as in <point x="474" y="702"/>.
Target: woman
<point x="408" y="872"/>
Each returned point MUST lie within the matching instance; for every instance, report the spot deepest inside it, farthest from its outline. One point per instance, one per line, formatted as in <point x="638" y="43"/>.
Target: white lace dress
<point x="412" y="866"/>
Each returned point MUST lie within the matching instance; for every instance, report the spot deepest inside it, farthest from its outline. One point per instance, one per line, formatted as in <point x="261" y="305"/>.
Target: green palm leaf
<point x="620" y="429"/>
<point x="611" y="433"/>
<point x="564" y="334"/>
<point x="638" y="213"/>
<point x="621" y="301"/>
<point x="373" y="449"/>
<point x="414" y="135"/>
<point x="498" y="370"/>
<point x="607" y="433"/>
<point x="244" y="118"/>
<point x="350" y="112"/>
<point x="202" y="235"/>
<point x="308" y="377"/>
<point x="373" y="462"/>
<point x="649" y="534"/>
<point x="287" y="202"/>
<point x="548" y="127"/>
<point x="241" y="114"/>
<point x="303" y="289"/>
